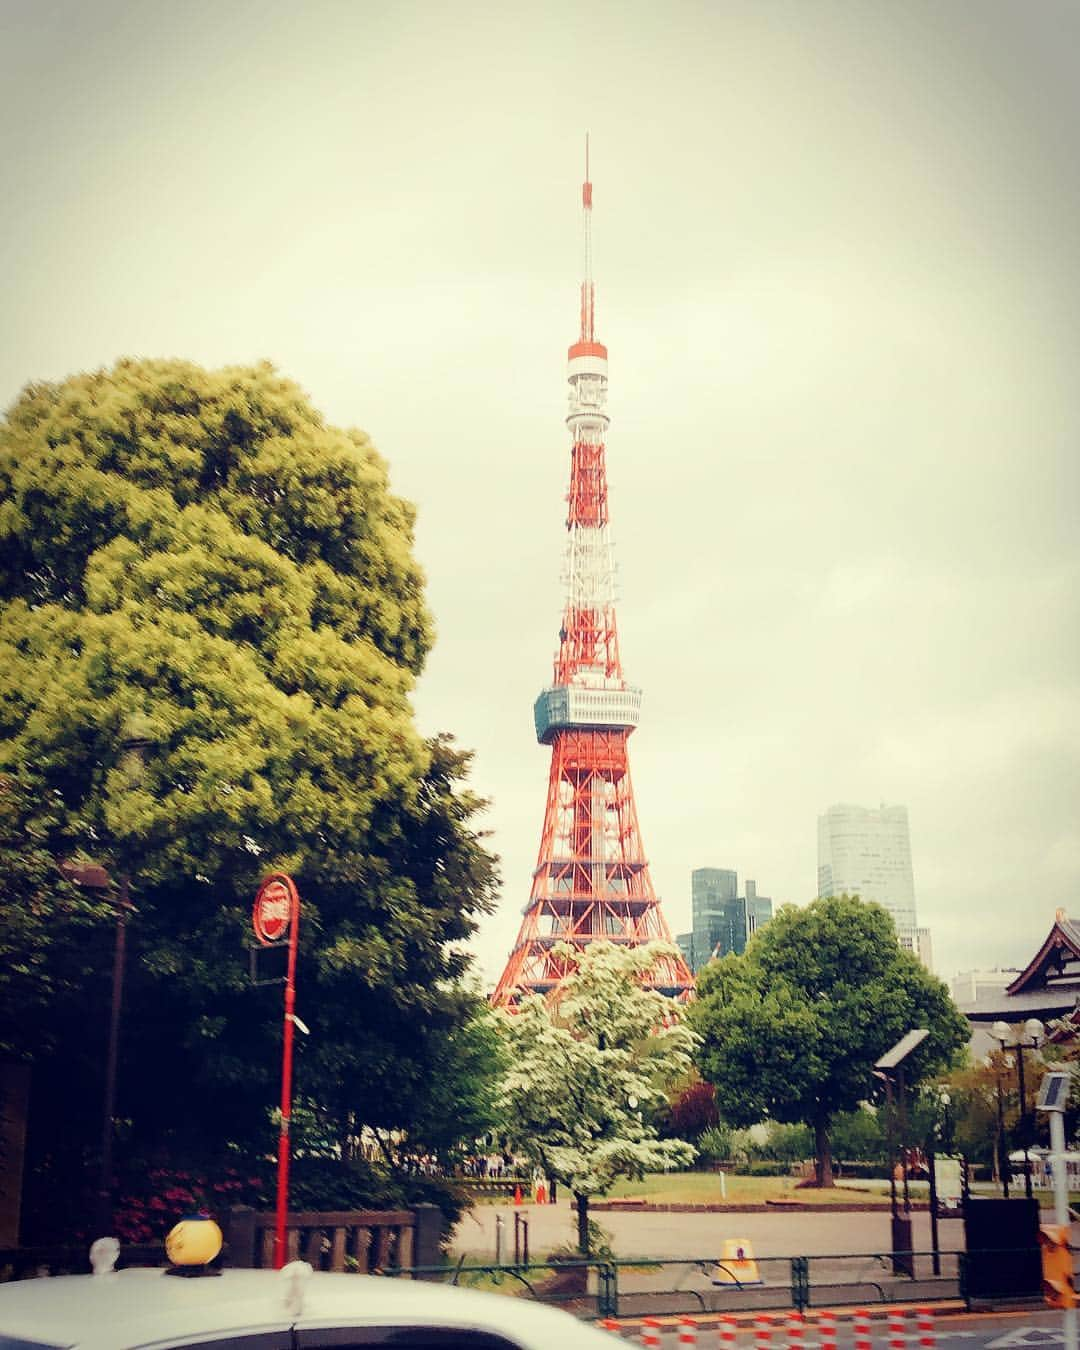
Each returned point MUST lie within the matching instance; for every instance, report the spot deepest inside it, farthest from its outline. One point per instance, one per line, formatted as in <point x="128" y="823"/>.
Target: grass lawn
<point x="704" y="1188"/>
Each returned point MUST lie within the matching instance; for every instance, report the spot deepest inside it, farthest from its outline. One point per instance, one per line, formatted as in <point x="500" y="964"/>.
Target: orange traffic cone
<point x="517" y="1197"/>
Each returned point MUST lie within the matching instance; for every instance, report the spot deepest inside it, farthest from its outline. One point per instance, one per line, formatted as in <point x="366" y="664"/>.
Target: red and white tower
<point x="591" y="879"/>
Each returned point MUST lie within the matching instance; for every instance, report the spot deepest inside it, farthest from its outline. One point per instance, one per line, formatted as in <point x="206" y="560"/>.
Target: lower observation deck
<point x="564" y="706"/>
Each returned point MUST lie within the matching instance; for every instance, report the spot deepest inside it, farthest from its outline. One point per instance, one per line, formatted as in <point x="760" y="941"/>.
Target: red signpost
<point x="277" y="913"/>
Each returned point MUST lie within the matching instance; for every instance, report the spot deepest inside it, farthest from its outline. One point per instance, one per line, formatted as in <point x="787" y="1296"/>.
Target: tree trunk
<point x="582" y="1202"/>
<point x="823" y="1152"/>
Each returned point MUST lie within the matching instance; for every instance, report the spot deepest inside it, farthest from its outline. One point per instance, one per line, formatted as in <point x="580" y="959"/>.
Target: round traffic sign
<point x="273" y="908"/>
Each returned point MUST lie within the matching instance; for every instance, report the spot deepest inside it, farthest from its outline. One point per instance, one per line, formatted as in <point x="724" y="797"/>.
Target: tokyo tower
<point x="592" y="879"/>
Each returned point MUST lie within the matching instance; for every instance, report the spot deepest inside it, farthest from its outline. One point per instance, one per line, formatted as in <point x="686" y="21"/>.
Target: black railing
<point x="640" y="1287"/>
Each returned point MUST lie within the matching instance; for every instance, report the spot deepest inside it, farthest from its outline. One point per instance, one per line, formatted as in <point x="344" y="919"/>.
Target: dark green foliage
<point x="764" y="1167"/>
<point x="329" y="1184"/>
<point x="53" y="934"/>
<point x="787" y="1144"/>
<point x="858" y="1136"/>
<point x="211" y="619"/>
<point x="792" y="1028"/>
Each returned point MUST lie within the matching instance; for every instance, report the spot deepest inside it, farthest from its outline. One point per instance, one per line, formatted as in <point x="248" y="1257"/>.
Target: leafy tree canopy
<point x="588" y="1071"/>
<point x="791" y="1029"/>
<point x="50" y="929"/>
<point x="211" y="619"/>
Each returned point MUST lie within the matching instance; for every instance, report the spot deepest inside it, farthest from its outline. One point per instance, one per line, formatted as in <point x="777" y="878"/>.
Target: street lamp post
<point x="1029" y="1039"/>
<point x="1000" y="1033"/>
<point x="890" y="1067"/>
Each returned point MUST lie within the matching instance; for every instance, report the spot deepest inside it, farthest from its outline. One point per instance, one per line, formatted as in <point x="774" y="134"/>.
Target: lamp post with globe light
<point x="1002" y="1149"/>
<point x="1030" y="1038"/>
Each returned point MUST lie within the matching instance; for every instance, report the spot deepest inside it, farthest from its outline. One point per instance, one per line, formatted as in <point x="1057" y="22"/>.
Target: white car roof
<point x="133" y="1309"/>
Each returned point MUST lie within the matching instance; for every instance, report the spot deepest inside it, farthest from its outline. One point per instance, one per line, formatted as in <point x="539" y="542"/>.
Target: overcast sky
<point x="837" y="250"/>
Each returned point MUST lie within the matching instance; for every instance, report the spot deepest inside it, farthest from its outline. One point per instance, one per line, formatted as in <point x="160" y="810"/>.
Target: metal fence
<point x="640" y="1287"/>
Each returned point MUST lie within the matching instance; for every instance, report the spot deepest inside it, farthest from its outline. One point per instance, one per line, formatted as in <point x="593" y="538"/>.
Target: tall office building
<point x="723" y="920"/>
<point x="867" y="853"/>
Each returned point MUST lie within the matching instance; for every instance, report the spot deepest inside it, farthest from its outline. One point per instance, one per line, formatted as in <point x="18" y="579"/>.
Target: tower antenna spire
<point x="588" y="290"/>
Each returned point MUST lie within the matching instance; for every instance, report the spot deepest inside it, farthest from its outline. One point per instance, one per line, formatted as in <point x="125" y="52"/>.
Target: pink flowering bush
<point x="148" y="1205"/>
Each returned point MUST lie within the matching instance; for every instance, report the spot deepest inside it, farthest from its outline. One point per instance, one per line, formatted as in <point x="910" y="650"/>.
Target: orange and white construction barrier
<point x="795" y="1329"/>
<point x="862" y="1329"/>
<point x="687" y="1331"/>
<point x="762" y="1332"/>
<point x="728" y="1326"/>
<point x="610" y="1324"/>
<point x="927" y="1338"/>
<point x="826" y="1327"/>
<point x="650" y="1332"/>
<point x="897" y="1339"/>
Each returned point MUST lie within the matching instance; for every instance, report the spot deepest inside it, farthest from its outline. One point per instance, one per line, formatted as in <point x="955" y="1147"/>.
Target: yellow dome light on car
<point x="192" y="1244"/>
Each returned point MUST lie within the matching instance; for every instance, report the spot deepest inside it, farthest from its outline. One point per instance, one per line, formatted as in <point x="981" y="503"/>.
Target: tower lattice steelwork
<point x="592" y="879"/>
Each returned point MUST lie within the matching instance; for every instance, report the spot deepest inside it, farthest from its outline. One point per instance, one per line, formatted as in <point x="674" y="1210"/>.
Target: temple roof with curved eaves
<point x="1048" y="987"/>
<point x="1056" y="963"/>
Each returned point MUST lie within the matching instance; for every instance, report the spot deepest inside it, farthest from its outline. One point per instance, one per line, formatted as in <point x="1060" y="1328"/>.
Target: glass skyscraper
<point x="867" y="852"/>
<point x="723" y="920"/>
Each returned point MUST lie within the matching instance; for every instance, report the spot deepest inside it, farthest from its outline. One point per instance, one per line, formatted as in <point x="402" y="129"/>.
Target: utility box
<point x="1004" y="1261"/>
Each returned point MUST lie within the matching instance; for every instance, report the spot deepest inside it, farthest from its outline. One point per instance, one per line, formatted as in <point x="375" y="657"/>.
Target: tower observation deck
<point x="591" y="881"/>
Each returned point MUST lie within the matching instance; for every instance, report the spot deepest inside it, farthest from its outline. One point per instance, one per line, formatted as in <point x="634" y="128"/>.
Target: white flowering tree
<point x="586" y="1068"/>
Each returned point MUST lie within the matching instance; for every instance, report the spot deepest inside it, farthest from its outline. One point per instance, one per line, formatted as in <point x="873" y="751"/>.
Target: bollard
<point x="862" y="1329"/>
<point x="826" y="1322"/>
<point x="650" y="1332"/>
<point x="521" y="1240"/>
<point x="498" y="1239"/>
<point x="897" y="1339"/>
<point x="687" y="1331"/>
<point x="610" y="1324"/>
<point x="727" y="1333"/>
<point x="762" y="1332"/>
<point x="795" y="1330"/>
<point x="925" y="1317"/>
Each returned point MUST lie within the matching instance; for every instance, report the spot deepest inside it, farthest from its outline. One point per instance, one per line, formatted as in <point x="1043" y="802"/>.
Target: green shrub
<point x="330" y="1184"/>
<point x="715" y="1145"/>
<point x="786" y="1143"/>
<point x="600" y="1248"/>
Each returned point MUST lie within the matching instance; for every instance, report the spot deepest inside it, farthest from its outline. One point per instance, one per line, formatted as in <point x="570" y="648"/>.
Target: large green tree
<point x="791" y="1029"/>
<point x="588" y="1072"/>
<point x="211" y="619"/>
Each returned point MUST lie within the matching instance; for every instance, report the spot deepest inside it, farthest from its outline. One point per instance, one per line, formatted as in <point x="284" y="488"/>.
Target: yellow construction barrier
<point x="737" y="1265"/>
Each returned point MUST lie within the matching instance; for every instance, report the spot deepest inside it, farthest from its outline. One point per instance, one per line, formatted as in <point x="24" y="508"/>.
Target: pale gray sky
<point x="838" y="264"/>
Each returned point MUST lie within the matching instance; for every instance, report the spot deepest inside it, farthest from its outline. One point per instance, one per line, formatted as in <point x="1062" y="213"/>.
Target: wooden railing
<point x="365" y="1241"/>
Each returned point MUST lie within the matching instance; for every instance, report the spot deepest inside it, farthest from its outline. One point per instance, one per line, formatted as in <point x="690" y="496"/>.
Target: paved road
<point x="673" y="1236"/>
